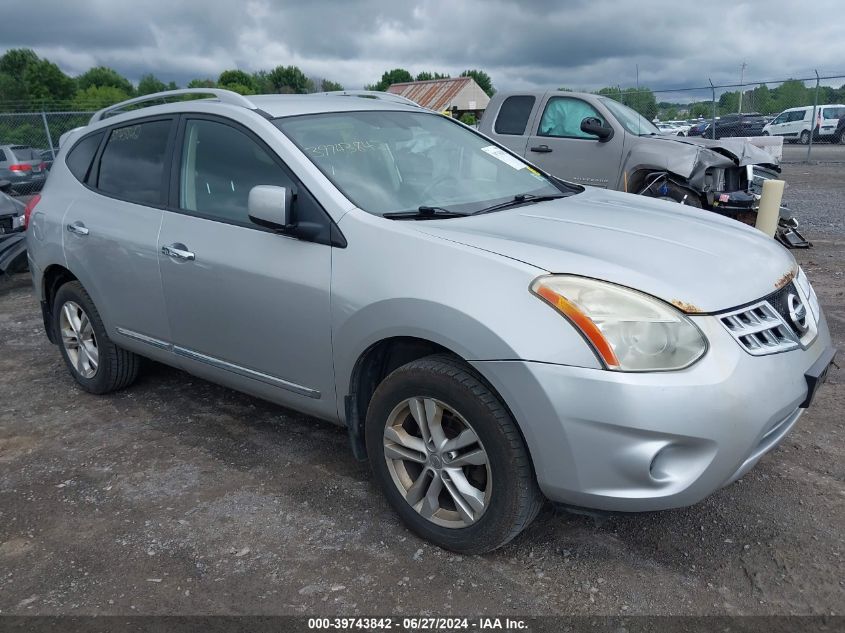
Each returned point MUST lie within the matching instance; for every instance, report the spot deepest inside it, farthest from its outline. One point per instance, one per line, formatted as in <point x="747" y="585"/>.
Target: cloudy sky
<point x="550" y="43"/>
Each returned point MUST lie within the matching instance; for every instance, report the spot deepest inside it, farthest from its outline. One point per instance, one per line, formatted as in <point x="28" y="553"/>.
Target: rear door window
<point x="834" y="113"/>
<point x="24" y="152"/>
<point x="132" y="166"/>
<point x="514" y="114"/>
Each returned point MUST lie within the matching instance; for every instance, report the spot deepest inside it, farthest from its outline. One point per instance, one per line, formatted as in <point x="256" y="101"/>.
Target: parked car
<point x="489" y="335"/>
<point x="729" y="125"/>
<point x="594" y="140"/>
<point x="47" y="157"/>
<point x="682" y="127"/>
<point x="698" y="128"/>
<point x="795" y="123"/>
<point x="12" y="245"/>
<point x="22" y="166"/>
<point x="11" y="210"/>
<point x="839" y="135"/>
<point x="672" y="128"/>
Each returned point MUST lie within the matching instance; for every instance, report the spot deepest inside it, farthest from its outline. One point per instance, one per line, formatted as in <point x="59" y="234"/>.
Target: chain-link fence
<point x="808" y="114"/>
<point x="39" y="130"/>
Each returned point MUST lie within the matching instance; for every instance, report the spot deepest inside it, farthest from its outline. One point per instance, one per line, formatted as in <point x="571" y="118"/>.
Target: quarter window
<point x="563" y="115"/>
<point x="513" y="115"/>
<point x="79" y="158"/>
<point x="220" y="165"/>
<point x="2" y="156"/>
<point x="132" y="165"/>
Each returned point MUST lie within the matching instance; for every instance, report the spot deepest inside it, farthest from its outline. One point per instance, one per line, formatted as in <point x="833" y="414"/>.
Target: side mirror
<point x="592" y="125"/>
<point x="5" y="186"/>
<point x="270" y="206"/>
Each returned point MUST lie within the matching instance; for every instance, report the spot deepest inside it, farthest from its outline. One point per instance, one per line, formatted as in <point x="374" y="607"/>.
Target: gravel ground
<point x="816" y="195"/>
<point x="177" y="496"/>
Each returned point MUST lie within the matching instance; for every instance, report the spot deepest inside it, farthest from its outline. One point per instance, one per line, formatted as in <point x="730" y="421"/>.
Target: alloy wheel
<point x="437" y="462"/>
<point x="78" y="339"/>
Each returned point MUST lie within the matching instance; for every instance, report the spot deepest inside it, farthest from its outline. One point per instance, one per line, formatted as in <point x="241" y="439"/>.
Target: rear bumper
<point x="637" y="442"/>
<point x="27" y="181"/>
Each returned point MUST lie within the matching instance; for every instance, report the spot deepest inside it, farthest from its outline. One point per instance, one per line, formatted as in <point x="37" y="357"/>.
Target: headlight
<point x="809" y="294"/>
<point x="629" y="331"/>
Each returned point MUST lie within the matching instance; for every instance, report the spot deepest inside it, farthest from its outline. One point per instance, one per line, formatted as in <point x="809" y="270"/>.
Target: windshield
<point x="630" y="119"/>
<point x="389" y="161"/>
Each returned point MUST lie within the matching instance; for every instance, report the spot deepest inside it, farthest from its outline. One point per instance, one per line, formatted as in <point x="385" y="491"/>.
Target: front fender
<point x="444" y="325"/>
<point x="396" y="280"/>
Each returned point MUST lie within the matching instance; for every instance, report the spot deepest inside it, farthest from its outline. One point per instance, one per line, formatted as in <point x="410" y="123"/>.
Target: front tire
<point x="96" y="364"/>
<point x="449" y="457"/>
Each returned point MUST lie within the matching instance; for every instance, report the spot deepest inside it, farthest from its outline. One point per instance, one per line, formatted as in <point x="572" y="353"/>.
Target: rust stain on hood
<point x="688" y="308"/>
<point x="785" y="279"/>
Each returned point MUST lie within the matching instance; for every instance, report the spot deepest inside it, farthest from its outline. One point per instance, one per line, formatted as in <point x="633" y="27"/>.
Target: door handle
<point x="77" y="228"/>
<point x="542" y="149"/>
<point x="178" y="253"/>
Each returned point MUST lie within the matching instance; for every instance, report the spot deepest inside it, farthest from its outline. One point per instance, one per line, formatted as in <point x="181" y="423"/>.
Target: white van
<point x="795" y="123"/>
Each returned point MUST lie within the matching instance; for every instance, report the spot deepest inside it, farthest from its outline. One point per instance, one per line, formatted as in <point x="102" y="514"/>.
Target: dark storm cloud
<point x="541" y="42"/>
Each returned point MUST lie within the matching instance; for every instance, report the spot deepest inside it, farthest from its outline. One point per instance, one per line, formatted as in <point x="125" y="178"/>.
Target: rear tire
<point x="476" y="494"/>
<point x="804" y="139"/>
<point x="96" y="364"/>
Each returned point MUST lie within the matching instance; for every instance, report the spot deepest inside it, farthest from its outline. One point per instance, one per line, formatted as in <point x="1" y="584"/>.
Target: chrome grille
<point x="760" y="329"/>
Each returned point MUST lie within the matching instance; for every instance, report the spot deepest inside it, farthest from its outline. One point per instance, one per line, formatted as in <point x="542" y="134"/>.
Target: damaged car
<point x="593" y="140"/>
<point x="12" y="242"/>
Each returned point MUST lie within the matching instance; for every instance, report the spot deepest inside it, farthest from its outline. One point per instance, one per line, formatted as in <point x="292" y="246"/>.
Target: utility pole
<point x="741" y="79"/>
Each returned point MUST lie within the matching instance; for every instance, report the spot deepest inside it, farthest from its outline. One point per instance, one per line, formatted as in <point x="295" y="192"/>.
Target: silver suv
<point x="489" y="335"/>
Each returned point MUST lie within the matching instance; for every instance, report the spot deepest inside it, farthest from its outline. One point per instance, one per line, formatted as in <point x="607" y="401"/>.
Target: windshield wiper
<point x="424" y="213"/>
<point x="518" y="199"/>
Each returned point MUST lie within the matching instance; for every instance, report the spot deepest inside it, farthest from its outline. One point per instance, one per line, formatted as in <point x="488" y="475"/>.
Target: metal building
<point x="457" y="95"/>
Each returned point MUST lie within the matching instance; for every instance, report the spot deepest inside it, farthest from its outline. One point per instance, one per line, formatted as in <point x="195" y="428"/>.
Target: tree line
<point x="761" y="99"/>
<point x="29" y="82"/>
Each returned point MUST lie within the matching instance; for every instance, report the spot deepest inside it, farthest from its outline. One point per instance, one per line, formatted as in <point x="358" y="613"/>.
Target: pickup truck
<point x="593" y="140"/>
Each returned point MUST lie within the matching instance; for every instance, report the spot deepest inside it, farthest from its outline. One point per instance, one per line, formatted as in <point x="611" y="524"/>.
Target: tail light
<point x="27" y="212"/>
<point x="21" y="167"/>
<point x="43" y="166"/>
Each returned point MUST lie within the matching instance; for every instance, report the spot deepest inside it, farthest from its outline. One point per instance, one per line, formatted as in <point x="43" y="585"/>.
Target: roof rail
<point x="373" y="94"/>
<point x="225" y="96"/>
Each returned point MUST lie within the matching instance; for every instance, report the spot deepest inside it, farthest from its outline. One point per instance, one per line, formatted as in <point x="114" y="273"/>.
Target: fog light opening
<point x="655" y="468"/>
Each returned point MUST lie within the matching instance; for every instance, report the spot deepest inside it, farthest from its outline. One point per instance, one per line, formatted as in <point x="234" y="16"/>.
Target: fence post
<point x="49" y="136"/>
<point x="813" y="120"/>
<point x="713" y="126"/>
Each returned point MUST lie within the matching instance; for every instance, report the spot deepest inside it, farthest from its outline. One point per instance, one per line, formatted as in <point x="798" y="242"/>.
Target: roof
<point x="435" y="94"/>
<point x="292" y="105"/>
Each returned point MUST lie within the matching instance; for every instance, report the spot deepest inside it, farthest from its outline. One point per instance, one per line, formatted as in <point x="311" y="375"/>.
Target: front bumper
<point x="651" y="441"/>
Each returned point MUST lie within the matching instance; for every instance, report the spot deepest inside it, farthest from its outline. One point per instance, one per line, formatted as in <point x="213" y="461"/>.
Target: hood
<point x="737" y="149"/>
<point x="696" y="260"/>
